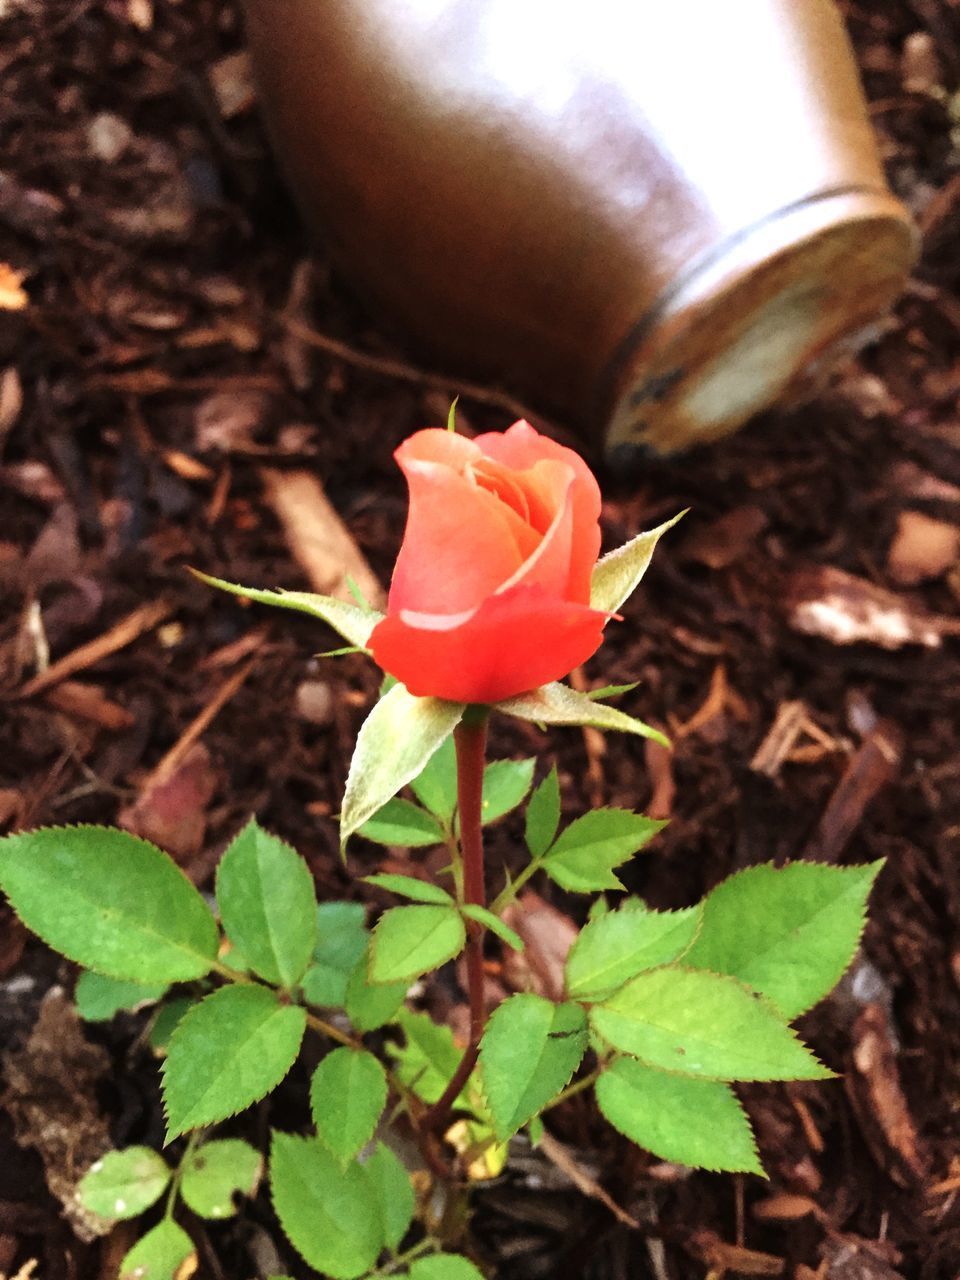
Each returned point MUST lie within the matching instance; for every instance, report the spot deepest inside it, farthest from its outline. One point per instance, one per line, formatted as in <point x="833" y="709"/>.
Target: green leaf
<point x="228" y="1052"/>
<point x="505" y="784"/>
<point x="614" y="947"/>
<point x="368" y="1004"/>
<point x="618" y="574"/>
<point x="699" y="1123"/>
<point x="543" y="815"/>
<point x="396" y="740"/>
<point x="98" y="998"/>
<point x="585" y="853"/>
<point x="700" y="1024"/>
<point x="559" y="704"/>
<point x="354" y="588"/>
<point x="166" y="1021"/>
<point x="347" y="1095"/>
<point x="330" y="1214"/>
<point x="212" y="1175"/>
<point x="489" y="921"/>
<point x="124" y="1183"/>
<point x="530" y="1049"/>
<point x="400" y="822"/>
<point x="444" y="1266"/>
<point x="394" y="1194"/>
<point x="164" y="1253"/>
<point x="789" y="933"/>
<point x="354" y="622"/>
<point x="341" y="941"/>
<point x="427" y="1061"/>
<point x="109" y="901"/>
<point x="611" y="691"/>
<point x="267" y="905"/>
<point x="409" y="941"/>
<point x="436" y="784"/>
<point x="411" y="887"/>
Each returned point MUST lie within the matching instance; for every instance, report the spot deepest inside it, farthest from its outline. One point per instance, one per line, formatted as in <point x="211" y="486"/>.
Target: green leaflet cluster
<point x="122" y="908"/>
<point x="663" y="1011"/>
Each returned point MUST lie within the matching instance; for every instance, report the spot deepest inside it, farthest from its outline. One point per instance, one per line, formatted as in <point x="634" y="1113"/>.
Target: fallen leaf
<point x="172" y="810"/>
<point x="845" y="609"/>
<point x="548" y="935"/>
<point x="922" y="548"/>
<point x="318" y="539"/>
<point x="12" y="296"/>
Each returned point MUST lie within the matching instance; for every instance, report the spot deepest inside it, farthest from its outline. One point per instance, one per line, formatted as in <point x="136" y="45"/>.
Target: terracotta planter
<point x="647" y="218"/>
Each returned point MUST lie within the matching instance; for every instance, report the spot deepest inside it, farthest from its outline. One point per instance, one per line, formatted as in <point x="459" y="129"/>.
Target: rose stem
<point x="470" y="737"/>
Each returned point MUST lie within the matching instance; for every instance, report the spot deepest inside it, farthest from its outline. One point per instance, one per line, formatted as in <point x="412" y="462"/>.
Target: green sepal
<point x="618" y="574"/>
<point x="396" y="740"/>
<point x="559" y="704"/>
<point x="354" y="622"/>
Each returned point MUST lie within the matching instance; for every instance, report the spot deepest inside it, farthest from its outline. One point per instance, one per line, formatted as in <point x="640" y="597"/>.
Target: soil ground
<point x="178" y="369"/>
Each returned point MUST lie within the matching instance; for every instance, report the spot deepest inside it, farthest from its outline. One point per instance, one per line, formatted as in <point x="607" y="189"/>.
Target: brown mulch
<point x="798" y="635"/>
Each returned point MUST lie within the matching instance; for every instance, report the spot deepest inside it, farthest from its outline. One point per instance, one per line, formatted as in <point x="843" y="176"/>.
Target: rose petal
<point x="443" y="566"/>
<point x="512" y="643"/>
<point x="521" y="448"/>
<point x="549" y="564"/>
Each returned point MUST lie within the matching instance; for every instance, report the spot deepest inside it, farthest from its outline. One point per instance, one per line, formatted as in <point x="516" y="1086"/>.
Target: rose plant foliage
<point x="497" y="594"/>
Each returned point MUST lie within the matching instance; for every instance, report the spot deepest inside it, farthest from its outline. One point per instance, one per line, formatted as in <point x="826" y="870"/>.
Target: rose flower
<point x="491" y="592"/>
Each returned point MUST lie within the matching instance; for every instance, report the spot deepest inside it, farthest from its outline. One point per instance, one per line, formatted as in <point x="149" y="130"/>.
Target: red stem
<point x="470" y="737"/>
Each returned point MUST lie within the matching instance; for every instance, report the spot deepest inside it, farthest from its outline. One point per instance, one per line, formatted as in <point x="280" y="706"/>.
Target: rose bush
<point x="491" y="592"/>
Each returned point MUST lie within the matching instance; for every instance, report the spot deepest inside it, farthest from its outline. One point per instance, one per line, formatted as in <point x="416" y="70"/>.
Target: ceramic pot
<point x="646" y="218"/>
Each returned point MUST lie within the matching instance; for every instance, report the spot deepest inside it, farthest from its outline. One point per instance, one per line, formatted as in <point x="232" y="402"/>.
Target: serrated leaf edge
<point x="253" y="821"/>
<point x="759" y="1170"/>
<point x="481" y="1077"/>
<point x="171" y="1134"/>
<point x="757" y="996"/>
<point x="412" y="976"/>
<point x="96" y="826"/>
<point x="590" y="998"/>
<point x="878" y="863"/>
<point x="305" y="1141"/>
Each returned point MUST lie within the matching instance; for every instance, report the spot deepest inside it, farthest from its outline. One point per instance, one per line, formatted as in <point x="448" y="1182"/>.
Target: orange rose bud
<point x="491" y="591"/>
